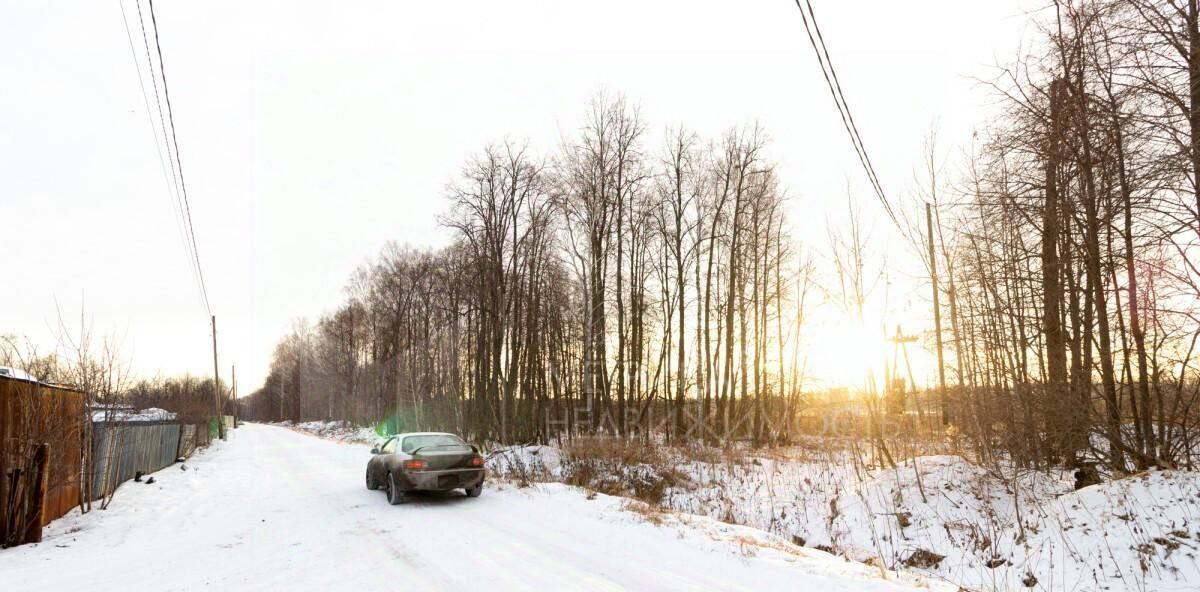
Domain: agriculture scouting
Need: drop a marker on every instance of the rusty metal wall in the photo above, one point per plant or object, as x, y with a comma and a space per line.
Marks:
32, 413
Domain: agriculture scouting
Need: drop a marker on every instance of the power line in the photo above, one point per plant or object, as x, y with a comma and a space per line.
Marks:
171, 180
842, 95
174, 183
178, 189
178, 157
817, 42
833, 83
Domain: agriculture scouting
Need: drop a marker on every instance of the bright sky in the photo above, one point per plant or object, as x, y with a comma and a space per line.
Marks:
312, 133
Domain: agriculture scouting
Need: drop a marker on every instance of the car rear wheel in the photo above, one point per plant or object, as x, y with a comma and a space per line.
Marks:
371, 484
394, 495
475, 491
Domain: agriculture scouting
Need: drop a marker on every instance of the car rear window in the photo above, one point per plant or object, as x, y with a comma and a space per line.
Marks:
441, 441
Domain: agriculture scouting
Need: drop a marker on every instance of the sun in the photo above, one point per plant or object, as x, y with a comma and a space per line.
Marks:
847, 354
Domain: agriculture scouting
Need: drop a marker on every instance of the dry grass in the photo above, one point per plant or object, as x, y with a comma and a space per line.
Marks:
761, 543
634, 468
654, 514
712, 455
629, 451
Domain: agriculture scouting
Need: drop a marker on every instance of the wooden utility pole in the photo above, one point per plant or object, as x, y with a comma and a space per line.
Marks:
937, 318
233, 393
217, 383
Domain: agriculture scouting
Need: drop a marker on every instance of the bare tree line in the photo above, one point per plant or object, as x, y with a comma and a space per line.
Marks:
630, 274
594, 284
1072, 284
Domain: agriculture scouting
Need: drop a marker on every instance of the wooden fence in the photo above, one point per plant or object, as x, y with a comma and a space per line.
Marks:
41, 450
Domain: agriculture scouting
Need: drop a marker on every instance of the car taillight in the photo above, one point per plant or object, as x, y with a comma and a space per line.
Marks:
415, 464
477, 461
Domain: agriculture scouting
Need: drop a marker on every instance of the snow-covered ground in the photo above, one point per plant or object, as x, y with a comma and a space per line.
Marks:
275, 509
957, 522
1026, 531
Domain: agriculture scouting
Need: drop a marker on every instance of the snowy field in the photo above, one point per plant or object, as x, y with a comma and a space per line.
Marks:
276, 509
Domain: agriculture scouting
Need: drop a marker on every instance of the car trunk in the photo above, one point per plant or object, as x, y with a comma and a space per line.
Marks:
441, 459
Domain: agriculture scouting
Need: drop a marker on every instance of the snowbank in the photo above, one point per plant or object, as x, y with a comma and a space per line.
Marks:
342, 431
716, 537
1142, 532
951, 520
991, 532
941, 516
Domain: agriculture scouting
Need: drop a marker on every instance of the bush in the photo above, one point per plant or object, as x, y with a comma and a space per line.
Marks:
635, 468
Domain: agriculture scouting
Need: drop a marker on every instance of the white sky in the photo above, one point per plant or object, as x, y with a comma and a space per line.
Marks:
312, 133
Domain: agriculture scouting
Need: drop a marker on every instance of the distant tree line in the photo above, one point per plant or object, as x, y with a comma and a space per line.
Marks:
97, 368
626, 274
590, 285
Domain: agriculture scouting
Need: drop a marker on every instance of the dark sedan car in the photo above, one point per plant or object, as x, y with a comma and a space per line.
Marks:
424, 461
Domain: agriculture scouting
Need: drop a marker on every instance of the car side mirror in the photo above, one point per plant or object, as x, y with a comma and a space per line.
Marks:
375, 450
475, 449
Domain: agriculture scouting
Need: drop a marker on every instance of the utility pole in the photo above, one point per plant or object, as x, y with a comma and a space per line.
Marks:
937, 317
894, 393
217, 383
233, 394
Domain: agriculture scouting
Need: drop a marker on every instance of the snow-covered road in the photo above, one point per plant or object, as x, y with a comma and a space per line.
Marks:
274, 509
